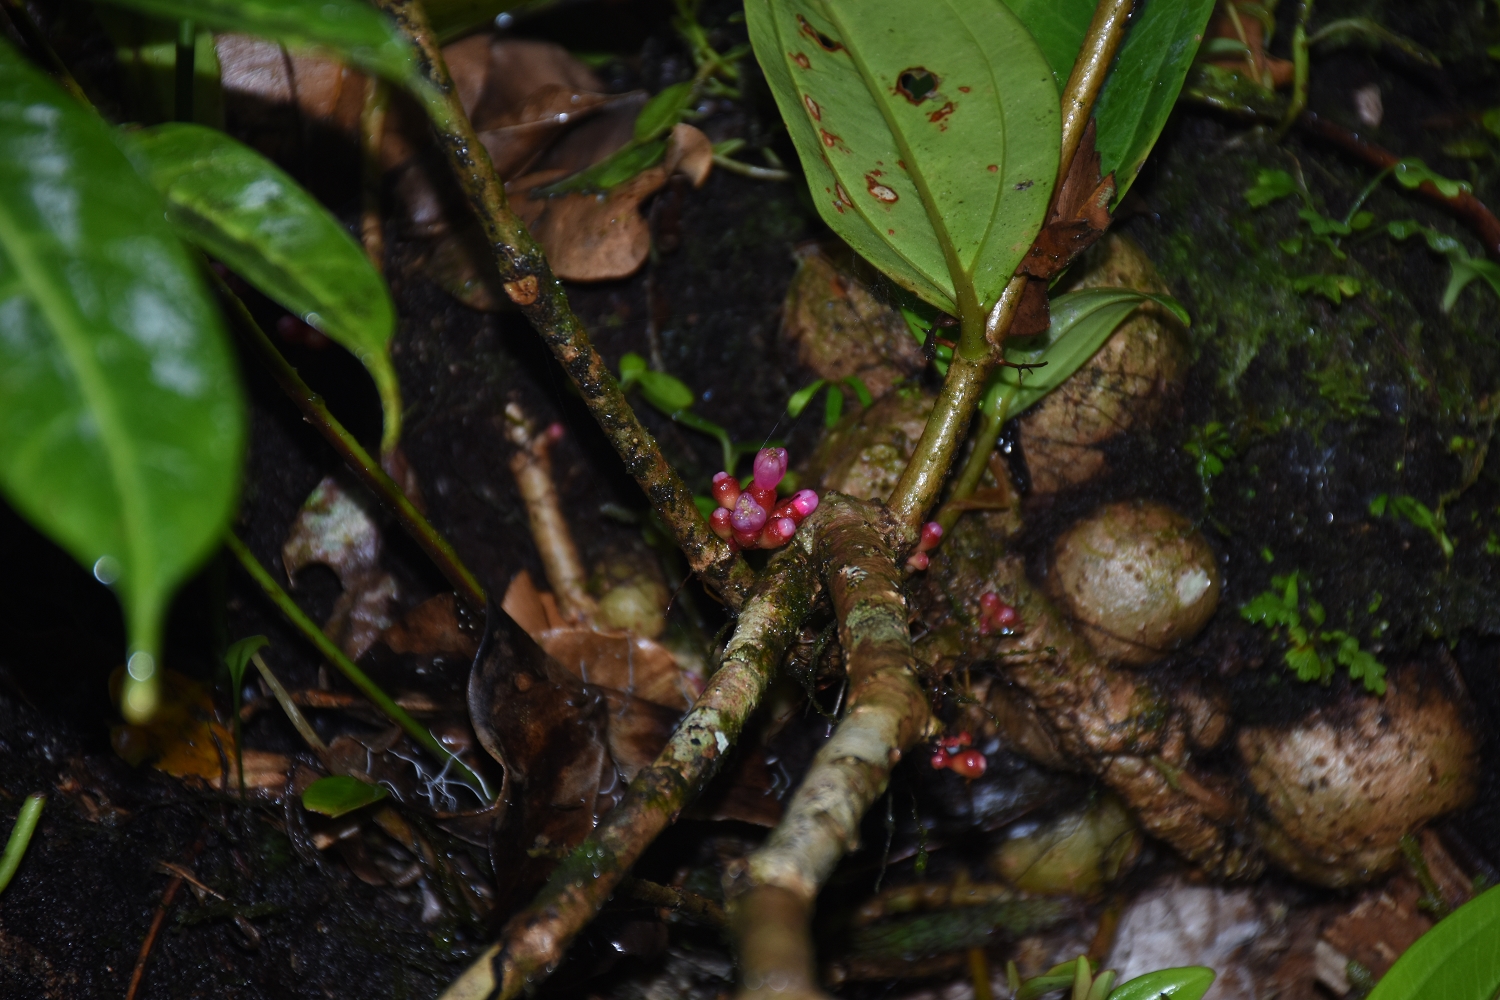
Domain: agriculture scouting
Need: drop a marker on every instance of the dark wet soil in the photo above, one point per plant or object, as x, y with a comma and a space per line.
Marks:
1326, 407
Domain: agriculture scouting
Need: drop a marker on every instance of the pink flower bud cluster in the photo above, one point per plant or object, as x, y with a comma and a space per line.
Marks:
751, 518
954, 753
997, 616
932, 534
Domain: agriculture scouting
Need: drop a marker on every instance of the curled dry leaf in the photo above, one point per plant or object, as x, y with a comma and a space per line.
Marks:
550, 732
841, 328
630, 664
598, 237
432, 628
185, 740
336, 529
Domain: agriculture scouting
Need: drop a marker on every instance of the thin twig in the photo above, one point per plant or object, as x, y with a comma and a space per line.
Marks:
359, 461
531, 464
771, 907
531, 285
167, 896
356, 676
535, 940
689, 904
299, 721
750, 170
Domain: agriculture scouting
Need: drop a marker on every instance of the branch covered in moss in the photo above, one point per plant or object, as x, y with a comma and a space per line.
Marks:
535, 939
533, 287
888, 712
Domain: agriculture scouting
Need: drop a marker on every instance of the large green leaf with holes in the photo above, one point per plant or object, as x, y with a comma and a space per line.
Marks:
121, 419
929, 134
350, 29
243, 209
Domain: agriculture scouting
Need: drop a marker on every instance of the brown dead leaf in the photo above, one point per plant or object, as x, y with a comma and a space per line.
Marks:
431, 629
549, 731
1381, 925
335, 528
1236, 20
695, 153
185, 740
1080, 215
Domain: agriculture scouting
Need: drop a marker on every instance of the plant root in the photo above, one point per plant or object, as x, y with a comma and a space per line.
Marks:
888, 711
532, 466
1119, 725
535, 939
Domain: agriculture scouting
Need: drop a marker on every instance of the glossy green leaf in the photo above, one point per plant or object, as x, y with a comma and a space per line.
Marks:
1058, 27
929, 136
353, 30
615, 169
833, 406
237, 658
240, 207
121, 419
663, 111
1413, 173
1187, 983
1081, 322
1459, 959
451, 19
1142, 89
802, 397
336, 795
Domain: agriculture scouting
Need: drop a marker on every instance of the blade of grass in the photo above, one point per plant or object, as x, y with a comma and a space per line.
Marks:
356, 676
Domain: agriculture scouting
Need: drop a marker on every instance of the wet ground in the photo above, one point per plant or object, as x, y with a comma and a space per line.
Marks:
1323, 407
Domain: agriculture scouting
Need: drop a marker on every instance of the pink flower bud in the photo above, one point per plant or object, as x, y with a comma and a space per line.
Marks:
720, 522
770, 467
1007, 617
989, 603
804, 502
555, 432
777, 533
917, 561
748, 516
766, 496
746, 540
725, 490
932, 533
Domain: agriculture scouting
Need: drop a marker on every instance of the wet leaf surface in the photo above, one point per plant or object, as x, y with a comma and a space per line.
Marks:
125, 422
930, 143
337, 795
239, 207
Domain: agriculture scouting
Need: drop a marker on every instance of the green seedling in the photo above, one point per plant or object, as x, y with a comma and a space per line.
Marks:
1333, 287
1463, 268
237, 658
1418, 515
833, 402
339, 794
1209, 445
670, 396
1313, 653
1274, 185
20, 837
1078, 976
